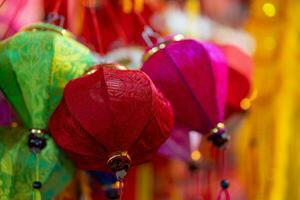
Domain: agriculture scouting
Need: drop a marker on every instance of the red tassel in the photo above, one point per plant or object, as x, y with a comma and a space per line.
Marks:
218, 156
207, 192
225, 193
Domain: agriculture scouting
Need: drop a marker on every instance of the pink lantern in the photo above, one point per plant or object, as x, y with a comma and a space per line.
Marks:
193, 76
17, 13
239, 79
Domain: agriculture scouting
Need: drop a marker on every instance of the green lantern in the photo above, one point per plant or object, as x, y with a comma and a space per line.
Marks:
35, 65
18, 167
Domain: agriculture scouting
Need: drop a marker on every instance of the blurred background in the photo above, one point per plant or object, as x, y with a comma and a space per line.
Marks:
262, 160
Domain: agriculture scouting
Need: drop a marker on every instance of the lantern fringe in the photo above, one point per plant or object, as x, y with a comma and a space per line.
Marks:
225, 193
37, 195
36, 192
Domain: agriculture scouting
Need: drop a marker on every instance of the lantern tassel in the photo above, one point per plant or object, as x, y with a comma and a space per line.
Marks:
224, 183
37, 195
121, 186
226, 194
36, 192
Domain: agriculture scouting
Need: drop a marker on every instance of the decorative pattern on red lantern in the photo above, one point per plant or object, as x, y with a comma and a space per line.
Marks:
111, 119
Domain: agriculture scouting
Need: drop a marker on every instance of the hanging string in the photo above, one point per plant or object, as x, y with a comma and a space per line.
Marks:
99, 46
116, 22
36, 185
218, 162
148, 32
207, 193
224, 183
219, 157
213, 156
141, 19
54, 15
198, 183
223, 164
57, 6
194, 181
37, 167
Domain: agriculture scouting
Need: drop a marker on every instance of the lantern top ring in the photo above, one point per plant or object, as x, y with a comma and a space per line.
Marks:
161, 46
48, 27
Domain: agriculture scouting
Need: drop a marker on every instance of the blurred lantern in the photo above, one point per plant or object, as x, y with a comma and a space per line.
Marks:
193, 76
14, 14
35, 65
230, 12
239, 80
181, 144
111, 119
19, 169
122, 26
65, 9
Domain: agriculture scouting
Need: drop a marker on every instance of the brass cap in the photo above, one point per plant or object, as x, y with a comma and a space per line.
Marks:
119, 163
161, 46
48, 27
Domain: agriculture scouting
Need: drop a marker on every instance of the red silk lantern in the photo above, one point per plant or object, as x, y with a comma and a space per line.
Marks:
101, 25
120, 28
239, 79
110, 119
193, 76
